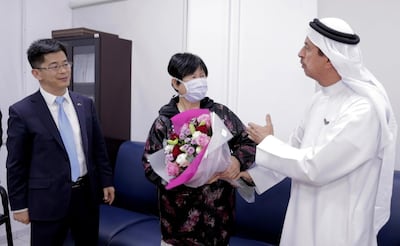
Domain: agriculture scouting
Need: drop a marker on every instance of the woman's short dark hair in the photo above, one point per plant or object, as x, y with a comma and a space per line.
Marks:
183, 64
38, 49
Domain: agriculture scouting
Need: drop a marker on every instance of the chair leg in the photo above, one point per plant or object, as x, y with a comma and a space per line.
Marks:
10, 241
4, 200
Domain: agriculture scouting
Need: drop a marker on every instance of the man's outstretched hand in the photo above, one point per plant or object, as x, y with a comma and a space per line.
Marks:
257, 133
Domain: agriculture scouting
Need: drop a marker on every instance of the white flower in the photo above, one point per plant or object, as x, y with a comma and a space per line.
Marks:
198, 149
181, 159
196, 134
168, 148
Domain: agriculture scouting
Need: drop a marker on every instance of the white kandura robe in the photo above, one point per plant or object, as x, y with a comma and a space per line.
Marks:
334, 166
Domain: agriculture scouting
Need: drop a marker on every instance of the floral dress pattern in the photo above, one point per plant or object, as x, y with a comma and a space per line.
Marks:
203, 215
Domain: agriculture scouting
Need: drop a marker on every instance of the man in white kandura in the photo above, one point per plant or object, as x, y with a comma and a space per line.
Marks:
341, 157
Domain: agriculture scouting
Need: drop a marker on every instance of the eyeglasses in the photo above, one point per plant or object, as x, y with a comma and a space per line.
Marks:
57, 67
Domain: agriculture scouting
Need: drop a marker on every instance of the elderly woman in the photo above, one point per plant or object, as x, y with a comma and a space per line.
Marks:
203, 215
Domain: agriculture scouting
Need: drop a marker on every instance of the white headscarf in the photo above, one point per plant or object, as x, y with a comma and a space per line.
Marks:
347, 60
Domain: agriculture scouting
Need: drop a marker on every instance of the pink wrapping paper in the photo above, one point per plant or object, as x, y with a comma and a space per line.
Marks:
178, 121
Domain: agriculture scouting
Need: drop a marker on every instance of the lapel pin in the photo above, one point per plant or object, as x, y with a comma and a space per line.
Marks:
326, 122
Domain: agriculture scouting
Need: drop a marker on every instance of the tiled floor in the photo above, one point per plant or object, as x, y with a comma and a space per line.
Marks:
23, 241
20, 238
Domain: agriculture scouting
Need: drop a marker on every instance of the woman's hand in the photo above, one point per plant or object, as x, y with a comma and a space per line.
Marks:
245, 176
231, 173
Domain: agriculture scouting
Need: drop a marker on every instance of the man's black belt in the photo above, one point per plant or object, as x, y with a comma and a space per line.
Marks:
80, 182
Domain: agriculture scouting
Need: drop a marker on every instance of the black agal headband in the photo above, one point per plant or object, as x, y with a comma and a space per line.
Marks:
333, 34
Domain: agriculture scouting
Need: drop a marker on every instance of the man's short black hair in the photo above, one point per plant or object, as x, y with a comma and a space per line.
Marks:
41, 47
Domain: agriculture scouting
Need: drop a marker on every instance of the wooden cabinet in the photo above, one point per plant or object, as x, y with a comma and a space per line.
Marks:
101, 70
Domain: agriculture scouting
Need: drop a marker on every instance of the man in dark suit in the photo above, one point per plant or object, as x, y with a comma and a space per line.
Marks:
41, 187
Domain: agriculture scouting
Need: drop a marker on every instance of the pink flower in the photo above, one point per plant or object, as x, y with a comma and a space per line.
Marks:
201, 139
172, 169
183, 146
204, 118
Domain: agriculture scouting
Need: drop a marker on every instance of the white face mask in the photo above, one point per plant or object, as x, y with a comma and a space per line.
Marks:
196, 89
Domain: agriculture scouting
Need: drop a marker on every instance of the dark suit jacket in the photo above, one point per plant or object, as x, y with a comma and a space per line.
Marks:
38, 169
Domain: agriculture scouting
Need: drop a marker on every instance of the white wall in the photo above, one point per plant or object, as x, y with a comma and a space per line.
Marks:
376, 22
21, 22
252, 57
10, 65
157, 31
11, 74
235, 40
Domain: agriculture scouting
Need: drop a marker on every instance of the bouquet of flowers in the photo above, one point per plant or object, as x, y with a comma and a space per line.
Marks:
195, 150
190, 142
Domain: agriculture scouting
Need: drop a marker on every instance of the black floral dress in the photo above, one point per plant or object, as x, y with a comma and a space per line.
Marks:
203, 215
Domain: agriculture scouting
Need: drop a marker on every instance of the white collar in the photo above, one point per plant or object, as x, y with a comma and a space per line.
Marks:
50, 98
333, 89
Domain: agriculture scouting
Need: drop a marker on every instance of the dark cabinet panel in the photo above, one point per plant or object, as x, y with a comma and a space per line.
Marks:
101, 70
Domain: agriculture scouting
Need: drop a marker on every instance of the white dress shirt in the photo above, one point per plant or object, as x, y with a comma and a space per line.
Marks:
73, 119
